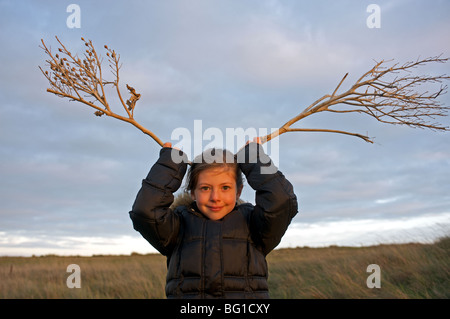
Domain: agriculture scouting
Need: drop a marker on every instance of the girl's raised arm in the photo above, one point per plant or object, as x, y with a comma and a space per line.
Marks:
276, 203
151, 213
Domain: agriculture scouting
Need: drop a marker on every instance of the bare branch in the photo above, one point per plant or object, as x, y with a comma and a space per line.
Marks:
82, 80
365, 138
389, 94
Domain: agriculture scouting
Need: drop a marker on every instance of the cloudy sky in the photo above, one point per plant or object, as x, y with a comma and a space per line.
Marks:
68, 178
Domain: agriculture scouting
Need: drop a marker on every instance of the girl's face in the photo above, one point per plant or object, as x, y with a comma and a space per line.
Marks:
216, 192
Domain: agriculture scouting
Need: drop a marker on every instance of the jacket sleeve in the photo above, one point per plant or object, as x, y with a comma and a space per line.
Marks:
275, 201
150, 213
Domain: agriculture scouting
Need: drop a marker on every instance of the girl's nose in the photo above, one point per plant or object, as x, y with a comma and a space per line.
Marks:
214, 196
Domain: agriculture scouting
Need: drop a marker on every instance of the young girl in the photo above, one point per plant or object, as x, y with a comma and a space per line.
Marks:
215, 248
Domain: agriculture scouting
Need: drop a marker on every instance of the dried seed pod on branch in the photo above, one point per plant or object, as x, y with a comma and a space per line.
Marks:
81, 79
389, 94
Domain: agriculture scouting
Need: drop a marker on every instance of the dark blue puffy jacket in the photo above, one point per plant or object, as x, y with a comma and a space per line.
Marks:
215, 259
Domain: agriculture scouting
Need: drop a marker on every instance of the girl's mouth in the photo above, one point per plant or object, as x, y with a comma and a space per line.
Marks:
214, 208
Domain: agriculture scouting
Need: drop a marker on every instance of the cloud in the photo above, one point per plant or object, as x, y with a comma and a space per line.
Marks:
365, 232
20, 244
276, 57
67, 174
387, 200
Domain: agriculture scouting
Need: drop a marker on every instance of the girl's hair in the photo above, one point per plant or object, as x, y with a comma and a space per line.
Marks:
213, 158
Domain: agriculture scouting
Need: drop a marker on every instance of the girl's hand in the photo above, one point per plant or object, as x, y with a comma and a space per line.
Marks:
169, 145
255, 140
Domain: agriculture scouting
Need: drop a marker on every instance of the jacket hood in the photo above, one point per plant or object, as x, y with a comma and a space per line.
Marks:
182, 199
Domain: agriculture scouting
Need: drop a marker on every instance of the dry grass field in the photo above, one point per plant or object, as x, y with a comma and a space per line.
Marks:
413, 271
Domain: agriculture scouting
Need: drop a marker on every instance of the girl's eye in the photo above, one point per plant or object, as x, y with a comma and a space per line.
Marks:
204, 188
225, 188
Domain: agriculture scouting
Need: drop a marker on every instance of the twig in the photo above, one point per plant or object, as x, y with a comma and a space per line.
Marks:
81, 79
389, 94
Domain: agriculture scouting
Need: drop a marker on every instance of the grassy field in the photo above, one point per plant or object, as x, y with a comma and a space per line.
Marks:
407, 271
